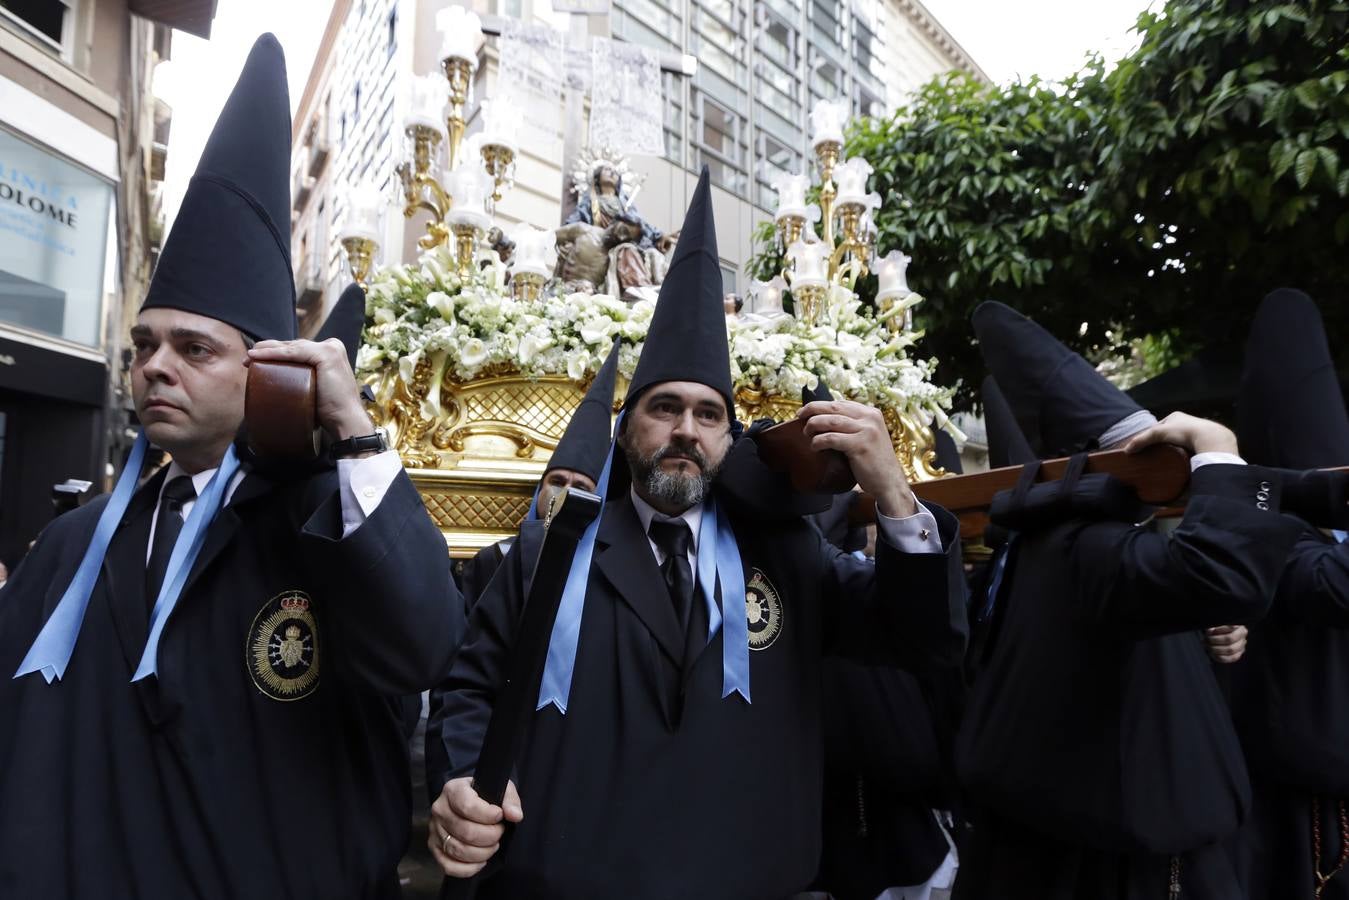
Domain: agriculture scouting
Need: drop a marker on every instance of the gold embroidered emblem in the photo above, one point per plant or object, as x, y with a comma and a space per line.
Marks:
282, 650
763, 611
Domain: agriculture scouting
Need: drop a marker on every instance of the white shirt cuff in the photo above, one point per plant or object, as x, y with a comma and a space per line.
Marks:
363, 484
1215, 457
912, 534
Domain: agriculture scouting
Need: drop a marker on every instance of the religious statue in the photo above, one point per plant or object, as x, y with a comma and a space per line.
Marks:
605, 242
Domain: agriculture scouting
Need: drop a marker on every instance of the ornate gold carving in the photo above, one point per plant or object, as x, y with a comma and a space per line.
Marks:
476, 463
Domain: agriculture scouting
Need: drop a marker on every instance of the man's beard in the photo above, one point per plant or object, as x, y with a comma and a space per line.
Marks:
676, 490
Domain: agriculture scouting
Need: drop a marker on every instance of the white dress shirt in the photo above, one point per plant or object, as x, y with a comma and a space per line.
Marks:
912, 534
362, 482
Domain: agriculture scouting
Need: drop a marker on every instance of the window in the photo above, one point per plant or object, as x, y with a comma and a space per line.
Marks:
775, 158
826, 78
53, 243
868, 103
729, 279
778, 43
720, 131
827, 17
48, 20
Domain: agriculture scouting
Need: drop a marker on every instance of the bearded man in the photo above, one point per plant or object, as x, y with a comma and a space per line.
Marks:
676, 750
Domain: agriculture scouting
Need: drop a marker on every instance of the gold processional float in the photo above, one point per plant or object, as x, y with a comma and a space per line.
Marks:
478, 363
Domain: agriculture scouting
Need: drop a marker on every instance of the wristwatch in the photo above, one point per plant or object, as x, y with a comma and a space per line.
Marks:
354, 446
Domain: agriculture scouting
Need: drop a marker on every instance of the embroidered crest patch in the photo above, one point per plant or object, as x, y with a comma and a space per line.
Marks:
283, 647
763, 611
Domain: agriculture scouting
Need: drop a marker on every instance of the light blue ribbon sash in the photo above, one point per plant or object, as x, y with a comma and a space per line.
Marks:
718, 560
54, 644
555, 686
52, 648
185, 551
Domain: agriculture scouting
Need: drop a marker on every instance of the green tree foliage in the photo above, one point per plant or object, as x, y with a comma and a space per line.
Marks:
1158, 200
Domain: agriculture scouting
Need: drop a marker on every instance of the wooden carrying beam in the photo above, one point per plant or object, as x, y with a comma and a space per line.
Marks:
1160, 474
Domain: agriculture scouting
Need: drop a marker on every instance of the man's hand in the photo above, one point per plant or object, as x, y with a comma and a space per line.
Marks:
1190, 432
1226, 643
340, 411
859, 433
466, 830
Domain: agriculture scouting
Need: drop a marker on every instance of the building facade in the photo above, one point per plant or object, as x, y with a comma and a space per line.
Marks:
81, 153
762, 65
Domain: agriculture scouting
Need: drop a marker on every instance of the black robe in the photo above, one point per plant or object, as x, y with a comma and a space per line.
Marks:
1290, 699
886, 768
472, 575
1096, 745
198, 783
649, 788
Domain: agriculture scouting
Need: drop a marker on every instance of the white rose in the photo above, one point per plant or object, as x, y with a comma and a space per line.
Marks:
368, 357
385, 316
407, 365
596, 331
531, 345
577, 363
472, 353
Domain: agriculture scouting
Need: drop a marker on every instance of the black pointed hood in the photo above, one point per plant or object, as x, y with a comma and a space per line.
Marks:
948, 454
1062, 404
819, 392
585, 443
686, 340
346, 322
1007, 446
1290, 412
228, 255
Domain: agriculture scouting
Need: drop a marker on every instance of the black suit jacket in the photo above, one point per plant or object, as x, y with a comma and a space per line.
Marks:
653, 785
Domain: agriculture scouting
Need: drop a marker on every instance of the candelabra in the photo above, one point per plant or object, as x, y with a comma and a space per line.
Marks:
843, 251
360, 237
457, 205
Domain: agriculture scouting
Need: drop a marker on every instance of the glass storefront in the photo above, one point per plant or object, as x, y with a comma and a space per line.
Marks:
54, 219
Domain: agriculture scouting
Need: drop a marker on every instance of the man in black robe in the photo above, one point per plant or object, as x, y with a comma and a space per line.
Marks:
1290, 696
676, 749
575, 463
886, 752
249, 744
1096, 750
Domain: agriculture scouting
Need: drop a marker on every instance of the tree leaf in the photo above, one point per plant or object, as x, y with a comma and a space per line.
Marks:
1305, 167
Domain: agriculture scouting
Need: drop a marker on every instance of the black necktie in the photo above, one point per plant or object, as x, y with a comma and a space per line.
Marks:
673, 538
168, 524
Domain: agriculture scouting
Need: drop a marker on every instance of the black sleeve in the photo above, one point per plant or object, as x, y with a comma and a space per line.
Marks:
466, 696
477, 574
1219, 567
906, 609
396, 615
1318, 495
1314, 588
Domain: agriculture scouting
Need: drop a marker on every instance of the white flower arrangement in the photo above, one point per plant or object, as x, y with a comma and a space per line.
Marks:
466, 327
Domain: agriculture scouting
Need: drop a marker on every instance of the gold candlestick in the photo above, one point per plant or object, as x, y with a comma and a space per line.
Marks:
808, 300
526, 287
459, 72
827, 154
465, 242
421, 191
360, 255
498, 159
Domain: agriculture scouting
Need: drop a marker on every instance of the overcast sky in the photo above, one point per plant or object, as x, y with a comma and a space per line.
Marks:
1008, 40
